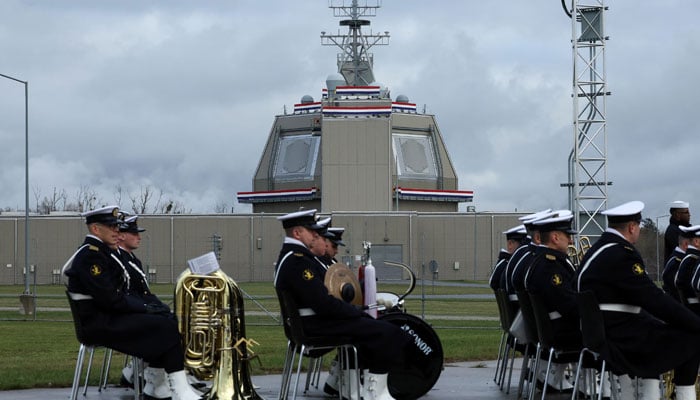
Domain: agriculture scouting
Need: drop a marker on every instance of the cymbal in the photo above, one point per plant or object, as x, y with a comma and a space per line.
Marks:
343, 284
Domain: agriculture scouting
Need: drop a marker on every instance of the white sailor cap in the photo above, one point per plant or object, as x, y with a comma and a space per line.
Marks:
679, 204
130, 225
323, 225
531, 217
335, 235
559, 220
305, 218
516, 233
630, 211
106, 215
690, 231
528, 220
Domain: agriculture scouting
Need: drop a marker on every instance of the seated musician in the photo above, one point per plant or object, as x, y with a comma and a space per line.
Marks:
129, 240
380, 344
551, 276
515, 237
647, 332
668, 277
111, 315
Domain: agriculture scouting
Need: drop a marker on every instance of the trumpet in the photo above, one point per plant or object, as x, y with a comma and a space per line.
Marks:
209, 309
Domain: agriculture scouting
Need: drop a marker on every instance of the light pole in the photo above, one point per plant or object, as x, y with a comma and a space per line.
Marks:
658, 266
26, 179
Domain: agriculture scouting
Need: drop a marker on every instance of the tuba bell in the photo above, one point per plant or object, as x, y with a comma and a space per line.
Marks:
209, 310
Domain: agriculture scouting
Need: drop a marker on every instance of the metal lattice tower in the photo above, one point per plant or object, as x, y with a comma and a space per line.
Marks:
588, 172
355, 61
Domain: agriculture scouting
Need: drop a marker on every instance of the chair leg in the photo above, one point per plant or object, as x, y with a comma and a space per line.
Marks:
137, 377
512, 360
89, 367
546, 375
527, 360
533, 373
296, 379
104, 370
499, 360
287, 370
78, 371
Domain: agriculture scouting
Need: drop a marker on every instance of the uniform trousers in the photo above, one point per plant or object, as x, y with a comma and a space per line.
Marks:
152, 337
380, 344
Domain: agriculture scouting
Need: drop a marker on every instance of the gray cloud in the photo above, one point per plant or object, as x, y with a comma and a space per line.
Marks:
181, 95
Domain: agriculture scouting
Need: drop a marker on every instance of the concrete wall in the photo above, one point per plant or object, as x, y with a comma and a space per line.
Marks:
464, 245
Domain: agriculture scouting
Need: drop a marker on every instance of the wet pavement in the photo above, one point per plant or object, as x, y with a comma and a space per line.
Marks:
463, 381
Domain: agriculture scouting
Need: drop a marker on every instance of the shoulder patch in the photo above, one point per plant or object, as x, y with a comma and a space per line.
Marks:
556, 280
95, 270
298, 254
550, 257
308, 275
628, 248
638, 269
93, 248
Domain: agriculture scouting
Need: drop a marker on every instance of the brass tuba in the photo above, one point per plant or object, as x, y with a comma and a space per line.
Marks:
576, 254
209, 309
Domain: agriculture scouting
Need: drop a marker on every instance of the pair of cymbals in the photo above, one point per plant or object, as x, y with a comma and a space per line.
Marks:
343, 284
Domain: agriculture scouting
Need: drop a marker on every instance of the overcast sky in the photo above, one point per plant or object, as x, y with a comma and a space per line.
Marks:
181, 95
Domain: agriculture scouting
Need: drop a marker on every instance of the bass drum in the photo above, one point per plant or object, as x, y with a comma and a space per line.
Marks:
423, 363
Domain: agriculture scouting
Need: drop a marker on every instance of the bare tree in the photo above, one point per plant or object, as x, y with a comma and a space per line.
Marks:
37, 195
49, 204
85, 199
140, 202
118, 194
221, 207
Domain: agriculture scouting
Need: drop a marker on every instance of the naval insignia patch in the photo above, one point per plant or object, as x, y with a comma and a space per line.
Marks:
308, 275
550, 257
95, 270
637, 269
556, 280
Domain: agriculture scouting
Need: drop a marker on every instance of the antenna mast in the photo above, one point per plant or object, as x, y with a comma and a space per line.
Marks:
355, 62
588, 173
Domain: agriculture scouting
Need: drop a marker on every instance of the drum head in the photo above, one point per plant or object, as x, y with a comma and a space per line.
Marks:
423, 362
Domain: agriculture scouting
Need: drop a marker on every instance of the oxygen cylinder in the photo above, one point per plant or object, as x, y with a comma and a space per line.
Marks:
370, 280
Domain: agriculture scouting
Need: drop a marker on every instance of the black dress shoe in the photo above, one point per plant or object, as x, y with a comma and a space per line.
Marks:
147, 397
125, 382
327, 389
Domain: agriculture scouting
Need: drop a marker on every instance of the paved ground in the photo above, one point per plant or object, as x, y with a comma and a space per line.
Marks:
459, 381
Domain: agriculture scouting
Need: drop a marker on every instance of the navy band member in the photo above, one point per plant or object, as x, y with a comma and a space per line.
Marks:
686, 269
380, 344
113, 317
522, 257
668, 276
156, 386
647, 332
680, 216
551, 275
514, 239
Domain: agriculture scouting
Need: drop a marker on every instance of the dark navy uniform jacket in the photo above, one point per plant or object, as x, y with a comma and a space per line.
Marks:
654, 338
552, 277
684, 276
668, 277
380, 343
671, 237
519, 253
499, 269
111, 316
138, 282
517, 278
